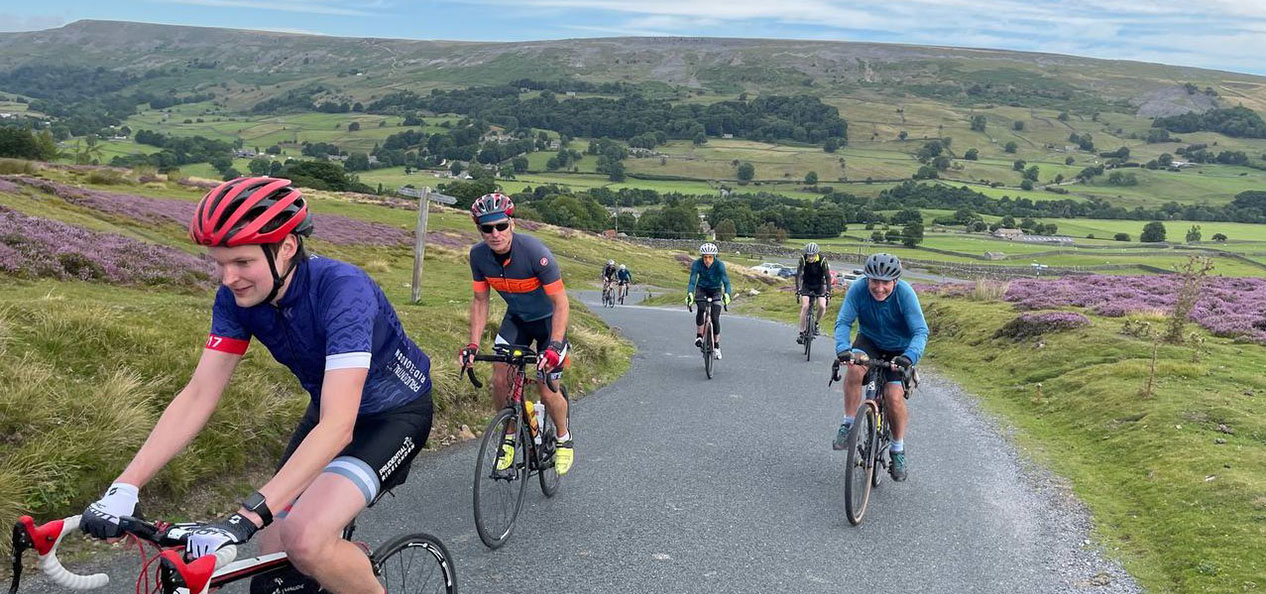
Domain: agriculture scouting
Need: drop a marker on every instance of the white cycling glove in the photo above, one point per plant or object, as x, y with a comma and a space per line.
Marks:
101, 519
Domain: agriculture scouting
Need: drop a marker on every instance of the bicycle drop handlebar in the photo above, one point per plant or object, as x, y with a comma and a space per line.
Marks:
45, 539
709, 301
517, 357
864, 361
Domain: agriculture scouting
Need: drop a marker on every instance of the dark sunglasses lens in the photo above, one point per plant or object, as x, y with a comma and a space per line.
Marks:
498, 227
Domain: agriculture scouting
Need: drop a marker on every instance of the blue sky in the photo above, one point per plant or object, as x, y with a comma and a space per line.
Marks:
1222, 34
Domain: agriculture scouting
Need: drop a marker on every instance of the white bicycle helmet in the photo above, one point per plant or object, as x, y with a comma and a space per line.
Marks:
811, 248
708, 249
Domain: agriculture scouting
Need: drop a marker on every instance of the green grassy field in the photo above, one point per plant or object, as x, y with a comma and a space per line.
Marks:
82, 347
1179, 501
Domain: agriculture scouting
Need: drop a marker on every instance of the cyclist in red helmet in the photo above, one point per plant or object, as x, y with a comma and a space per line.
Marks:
369, 384
526, 275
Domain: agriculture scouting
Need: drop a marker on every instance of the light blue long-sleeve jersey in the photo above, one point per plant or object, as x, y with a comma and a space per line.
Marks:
894, 324
708, 277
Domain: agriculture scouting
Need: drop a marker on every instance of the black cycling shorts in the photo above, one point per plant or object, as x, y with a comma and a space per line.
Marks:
890, 376
813, 291
534, 335
383, 445
700, 305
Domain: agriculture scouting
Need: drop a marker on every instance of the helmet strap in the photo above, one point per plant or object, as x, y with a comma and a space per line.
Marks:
279, 279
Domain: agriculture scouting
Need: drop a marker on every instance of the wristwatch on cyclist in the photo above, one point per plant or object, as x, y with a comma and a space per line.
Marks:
255, 503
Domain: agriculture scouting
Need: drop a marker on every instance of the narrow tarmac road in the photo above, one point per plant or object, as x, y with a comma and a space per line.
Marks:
684, 484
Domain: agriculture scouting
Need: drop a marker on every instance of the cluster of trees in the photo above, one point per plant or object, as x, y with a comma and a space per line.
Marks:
797, 217
611, 155
770, 118
180, 150
83, 100
1203, 155
1247, 207
1237, 122
299, 99
1084, 141
20, 143
171, 99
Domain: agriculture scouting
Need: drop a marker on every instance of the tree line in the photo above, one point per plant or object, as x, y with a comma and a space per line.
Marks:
770, 118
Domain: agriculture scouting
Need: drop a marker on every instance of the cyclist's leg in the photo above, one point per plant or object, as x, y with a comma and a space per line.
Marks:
700, 294
857, 373
821, 301
555, 404
716, 317
804, 309
894, 407
383, 445
269, 539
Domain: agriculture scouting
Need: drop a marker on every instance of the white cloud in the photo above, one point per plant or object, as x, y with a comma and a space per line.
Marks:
1214, 33
332, 7
33, 22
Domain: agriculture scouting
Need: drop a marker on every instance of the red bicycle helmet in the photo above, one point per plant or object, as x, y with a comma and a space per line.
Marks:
250, 210
491, 207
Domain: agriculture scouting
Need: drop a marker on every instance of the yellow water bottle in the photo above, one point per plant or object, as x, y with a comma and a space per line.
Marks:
527, 405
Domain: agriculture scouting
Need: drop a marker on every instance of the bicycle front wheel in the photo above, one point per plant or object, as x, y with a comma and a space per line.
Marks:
550, 480
860, 464
415, 563
499, 493
707, 346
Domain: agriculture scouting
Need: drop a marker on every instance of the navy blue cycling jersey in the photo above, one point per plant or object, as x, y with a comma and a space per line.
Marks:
525, 278
332, 316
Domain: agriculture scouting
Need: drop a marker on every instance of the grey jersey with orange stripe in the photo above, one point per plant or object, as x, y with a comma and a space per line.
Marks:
525, 280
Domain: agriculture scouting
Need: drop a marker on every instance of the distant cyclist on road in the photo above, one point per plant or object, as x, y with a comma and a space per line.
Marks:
890, 325
525, 274
608, 275
813, 286
624, 278
707, 278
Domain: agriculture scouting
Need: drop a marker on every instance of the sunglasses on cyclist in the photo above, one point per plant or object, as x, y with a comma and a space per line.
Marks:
502, 226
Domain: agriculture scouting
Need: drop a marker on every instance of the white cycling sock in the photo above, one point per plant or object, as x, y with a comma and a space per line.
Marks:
848, 421
898, 446
565, 437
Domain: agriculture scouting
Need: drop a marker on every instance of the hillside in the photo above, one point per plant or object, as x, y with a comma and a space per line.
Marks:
712, 65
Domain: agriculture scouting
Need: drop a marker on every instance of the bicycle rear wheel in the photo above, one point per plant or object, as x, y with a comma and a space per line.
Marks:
415, 563
860, 464
808, 345
499, 496
549, 478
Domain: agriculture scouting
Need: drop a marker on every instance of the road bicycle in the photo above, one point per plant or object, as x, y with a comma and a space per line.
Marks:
870, 437
406, 564
608, 295
810, 325
498, 494
623, 290
708, 349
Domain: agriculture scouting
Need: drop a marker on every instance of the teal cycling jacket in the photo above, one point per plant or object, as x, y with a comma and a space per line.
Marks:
708, 277
894, 324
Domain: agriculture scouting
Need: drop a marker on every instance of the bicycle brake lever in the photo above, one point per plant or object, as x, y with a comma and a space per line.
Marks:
21, 542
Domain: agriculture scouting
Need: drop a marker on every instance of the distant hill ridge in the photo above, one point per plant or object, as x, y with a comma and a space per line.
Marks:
714, 64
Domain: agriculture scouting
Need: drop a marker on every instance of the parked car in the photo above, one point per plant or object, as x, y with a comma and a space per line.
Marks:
844, 279
786, 272
770, 268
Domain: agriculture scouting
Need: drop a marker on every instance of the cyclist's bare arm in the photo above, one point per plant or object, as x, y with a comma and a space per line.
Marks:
478, 315
183, 418
562, 307
340, 400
